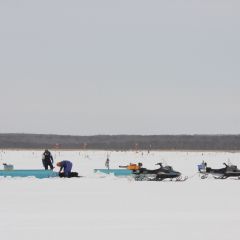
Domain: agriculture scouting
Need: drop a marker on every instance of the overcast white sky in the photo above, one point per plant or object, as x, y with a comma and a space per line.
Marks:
120, 67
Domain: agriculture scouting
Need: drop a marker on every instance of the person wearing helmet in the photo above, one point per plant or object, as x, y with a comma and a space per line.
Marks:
47, 160
66, 166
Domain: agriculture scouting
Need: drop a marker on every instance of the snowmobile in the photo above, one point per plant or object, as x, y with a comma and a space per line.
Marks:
221, 173
159, 174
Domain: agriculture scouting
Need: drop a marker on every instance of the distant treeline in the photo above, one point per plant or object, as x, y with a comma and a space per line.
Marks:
121, 142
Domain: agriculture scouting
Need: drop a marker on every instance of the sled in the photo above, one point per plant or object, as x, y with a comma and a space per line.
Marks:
115, 172
38, 173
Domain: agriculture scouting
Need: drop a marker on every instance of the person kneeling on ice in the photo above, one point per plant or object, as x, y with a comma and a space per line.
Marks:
66, 166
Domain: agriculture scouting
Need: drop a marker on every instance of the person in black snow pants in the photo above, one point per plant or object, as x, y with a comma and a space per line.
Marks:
47, 160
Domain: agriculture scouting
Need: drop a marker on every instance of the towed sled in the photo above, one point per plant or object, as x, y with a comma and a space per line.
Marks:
221, 173
115, 172
159, 174
9, 171
38, 173
143, 174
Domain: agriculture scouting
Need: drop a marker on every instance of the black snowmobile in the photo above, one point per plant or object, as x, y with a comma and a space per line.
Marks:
221, 173
159, 174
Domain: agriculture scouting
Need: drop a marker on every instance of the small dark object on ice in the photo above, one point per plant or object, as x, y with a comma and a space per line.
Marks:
72, 174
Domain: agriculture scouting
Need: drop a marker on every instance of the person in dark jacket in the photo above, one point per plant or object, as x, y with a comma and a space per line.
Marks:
47, 160
66, 166
107, 163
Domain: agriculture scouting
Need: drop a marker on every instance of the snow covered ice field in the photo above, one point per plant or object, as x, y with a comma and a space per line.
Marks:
98, 207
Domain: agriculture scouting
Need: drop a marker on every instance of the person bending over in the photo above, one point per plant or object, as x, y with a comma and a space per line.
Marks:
66, 166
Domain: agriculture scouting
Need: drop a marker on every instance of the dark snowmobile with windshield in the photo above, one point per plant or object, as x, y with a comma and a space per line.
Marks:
221, 173
159, 174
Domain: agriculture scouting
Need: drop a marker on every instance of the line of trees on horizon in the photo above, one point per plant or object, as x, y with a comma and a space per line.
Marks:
121, 142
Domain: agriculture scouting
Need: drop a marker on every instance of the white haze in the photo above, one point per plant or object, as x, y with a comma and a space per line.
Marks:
108, 67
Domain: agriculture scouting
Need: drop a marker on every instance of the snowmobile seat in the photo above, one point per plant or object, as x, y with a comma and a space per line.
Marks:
208, 169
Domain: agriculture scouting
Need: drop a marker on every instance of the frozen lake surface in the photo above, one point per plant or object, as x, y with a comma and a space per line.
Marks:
98, 207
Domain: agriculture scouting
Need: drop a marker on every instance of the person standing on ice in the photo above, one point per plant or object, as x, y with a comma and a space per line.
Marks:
107, 163
47, 160
66, 166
